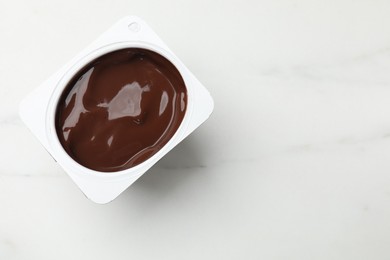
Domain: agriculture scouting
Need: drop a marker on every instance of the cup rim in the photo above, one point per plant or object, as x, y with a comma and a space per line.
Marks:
65, 159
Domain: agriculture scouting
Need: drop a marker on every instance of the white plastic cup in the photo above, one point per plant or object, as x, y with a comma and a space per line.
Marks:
38, 109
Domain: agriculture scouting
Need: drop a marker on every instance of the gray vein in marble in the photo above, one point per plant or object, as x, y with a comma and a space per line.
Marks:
341, 72
27, 175
7, 248
180, 167
10, 120
345, 141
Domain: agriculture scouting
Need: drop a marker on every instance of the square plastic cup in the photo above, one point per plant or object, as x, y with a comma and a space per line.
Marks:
38, 109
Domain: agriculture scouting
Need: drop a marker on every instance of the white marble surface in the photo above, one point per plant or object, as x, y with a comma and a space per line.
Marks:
293, 164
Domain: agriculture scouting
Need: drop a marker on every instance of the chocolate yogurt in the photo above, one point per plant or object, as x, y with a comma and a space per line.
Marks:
120, 109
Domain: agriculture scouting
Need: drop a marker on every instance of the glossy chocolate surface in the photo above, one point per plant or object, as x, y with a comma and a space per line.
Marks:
120, 109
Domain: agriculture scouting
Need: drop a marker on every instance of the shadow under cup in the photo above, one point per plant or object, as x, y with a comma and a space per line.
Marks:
120, 109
